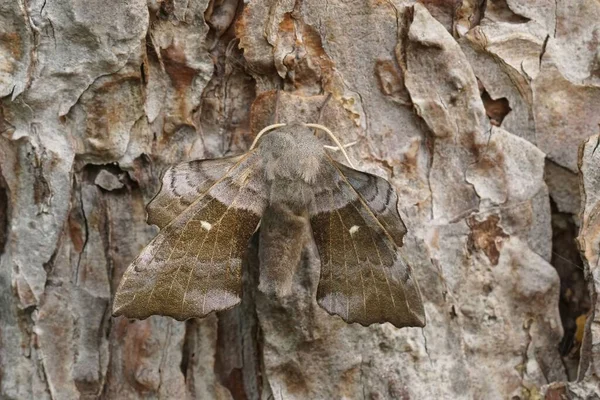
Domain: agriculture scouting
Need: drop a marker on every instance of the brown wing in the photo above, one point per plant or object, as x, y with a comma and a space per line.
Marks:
356, 227
193, 266
182, 184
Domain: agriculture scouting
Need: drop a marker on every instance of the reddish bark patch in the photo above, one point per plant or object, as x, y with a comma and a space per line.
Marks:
556, 391
314, 47
138, 345
41, 188
287, 23
107, 110
241, 24
176, 67
347, 382
262, 111
295, 383
235, 383
486, 236
12, 42
24, 291
181, 75
76, 233
390, 80
489, 158
388, 77
495, 109
309, 66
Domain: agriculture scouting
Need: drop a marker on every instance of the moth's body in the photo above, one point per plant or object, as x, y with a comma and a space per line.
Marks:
292, 161
208, 209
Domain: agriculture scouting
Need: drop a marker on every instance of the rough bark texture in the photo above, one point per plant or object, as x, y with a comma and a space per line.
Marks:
473, 109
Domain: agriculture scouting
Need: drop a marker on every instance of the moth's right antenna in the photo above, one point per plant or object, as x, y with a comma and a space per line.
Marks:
263, 131
335, 148
335, 139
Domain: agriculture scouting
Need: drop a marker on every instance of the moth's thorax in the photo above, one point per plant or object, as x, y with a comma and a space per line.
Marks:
292, 154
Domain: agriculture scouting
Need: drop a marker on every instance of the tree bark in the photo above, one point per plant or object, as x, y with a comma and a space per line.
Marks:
474, 110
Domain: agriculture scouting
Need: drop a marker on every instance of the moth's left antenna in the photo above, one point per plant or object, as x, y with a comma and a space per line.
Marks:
263, 131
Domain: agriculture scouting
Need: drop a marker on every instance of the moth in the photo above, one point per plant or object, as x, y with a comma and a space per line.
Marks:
207, 210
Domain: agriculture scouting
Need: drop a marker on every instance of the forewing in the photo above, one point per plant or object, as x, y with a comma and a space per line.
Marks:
193, 266
363, 276
380, 197
182, 184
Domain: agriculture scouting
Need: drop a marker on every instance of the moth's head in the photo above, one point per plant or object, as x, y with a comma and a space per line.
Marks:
292, 152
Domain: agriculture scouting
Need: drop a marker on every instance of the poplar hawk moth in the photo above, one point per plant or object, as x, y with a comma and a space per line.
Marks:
207, 210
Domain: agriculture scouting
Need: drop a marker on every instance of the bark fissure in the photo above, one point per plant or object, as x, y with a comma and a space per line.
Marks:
85, 235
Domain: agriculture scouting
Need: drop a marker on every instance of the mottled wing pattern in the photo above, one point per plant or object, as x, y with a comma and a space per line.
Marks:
193, 266
182, 184
356, 227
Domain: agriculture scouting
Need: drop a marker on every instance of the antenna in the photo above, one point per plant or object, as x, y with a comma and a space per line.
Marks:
263, 131
316, 126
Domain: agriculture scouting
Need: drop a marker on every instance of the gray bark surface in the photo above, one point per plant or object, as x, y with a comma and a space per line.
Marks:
473, 110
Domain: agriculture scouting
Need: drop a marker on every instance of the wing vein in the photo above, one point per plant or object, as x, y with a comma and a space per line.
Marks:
380, 260
345, 261
329, 262
212, 255
198, 254
355, 254
182, 231
187, 251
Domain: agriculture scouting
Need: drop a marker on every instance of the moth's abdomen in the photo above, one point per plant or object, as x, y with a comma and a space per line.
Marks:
283, 236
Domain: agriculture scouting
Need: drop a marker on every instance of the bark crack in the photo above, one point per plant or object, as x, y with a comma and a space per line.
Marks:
430, 160
163, 357
32, 53
555, 17
96, 79
365, 112
425, 346
596, 146
85, 239
45, 373
362, 374
397, 17
543, 49
525, 357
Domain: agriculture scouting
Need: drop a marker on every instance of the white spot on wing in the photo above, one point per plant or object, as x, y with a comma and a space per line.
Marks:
206, 225
354, 229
